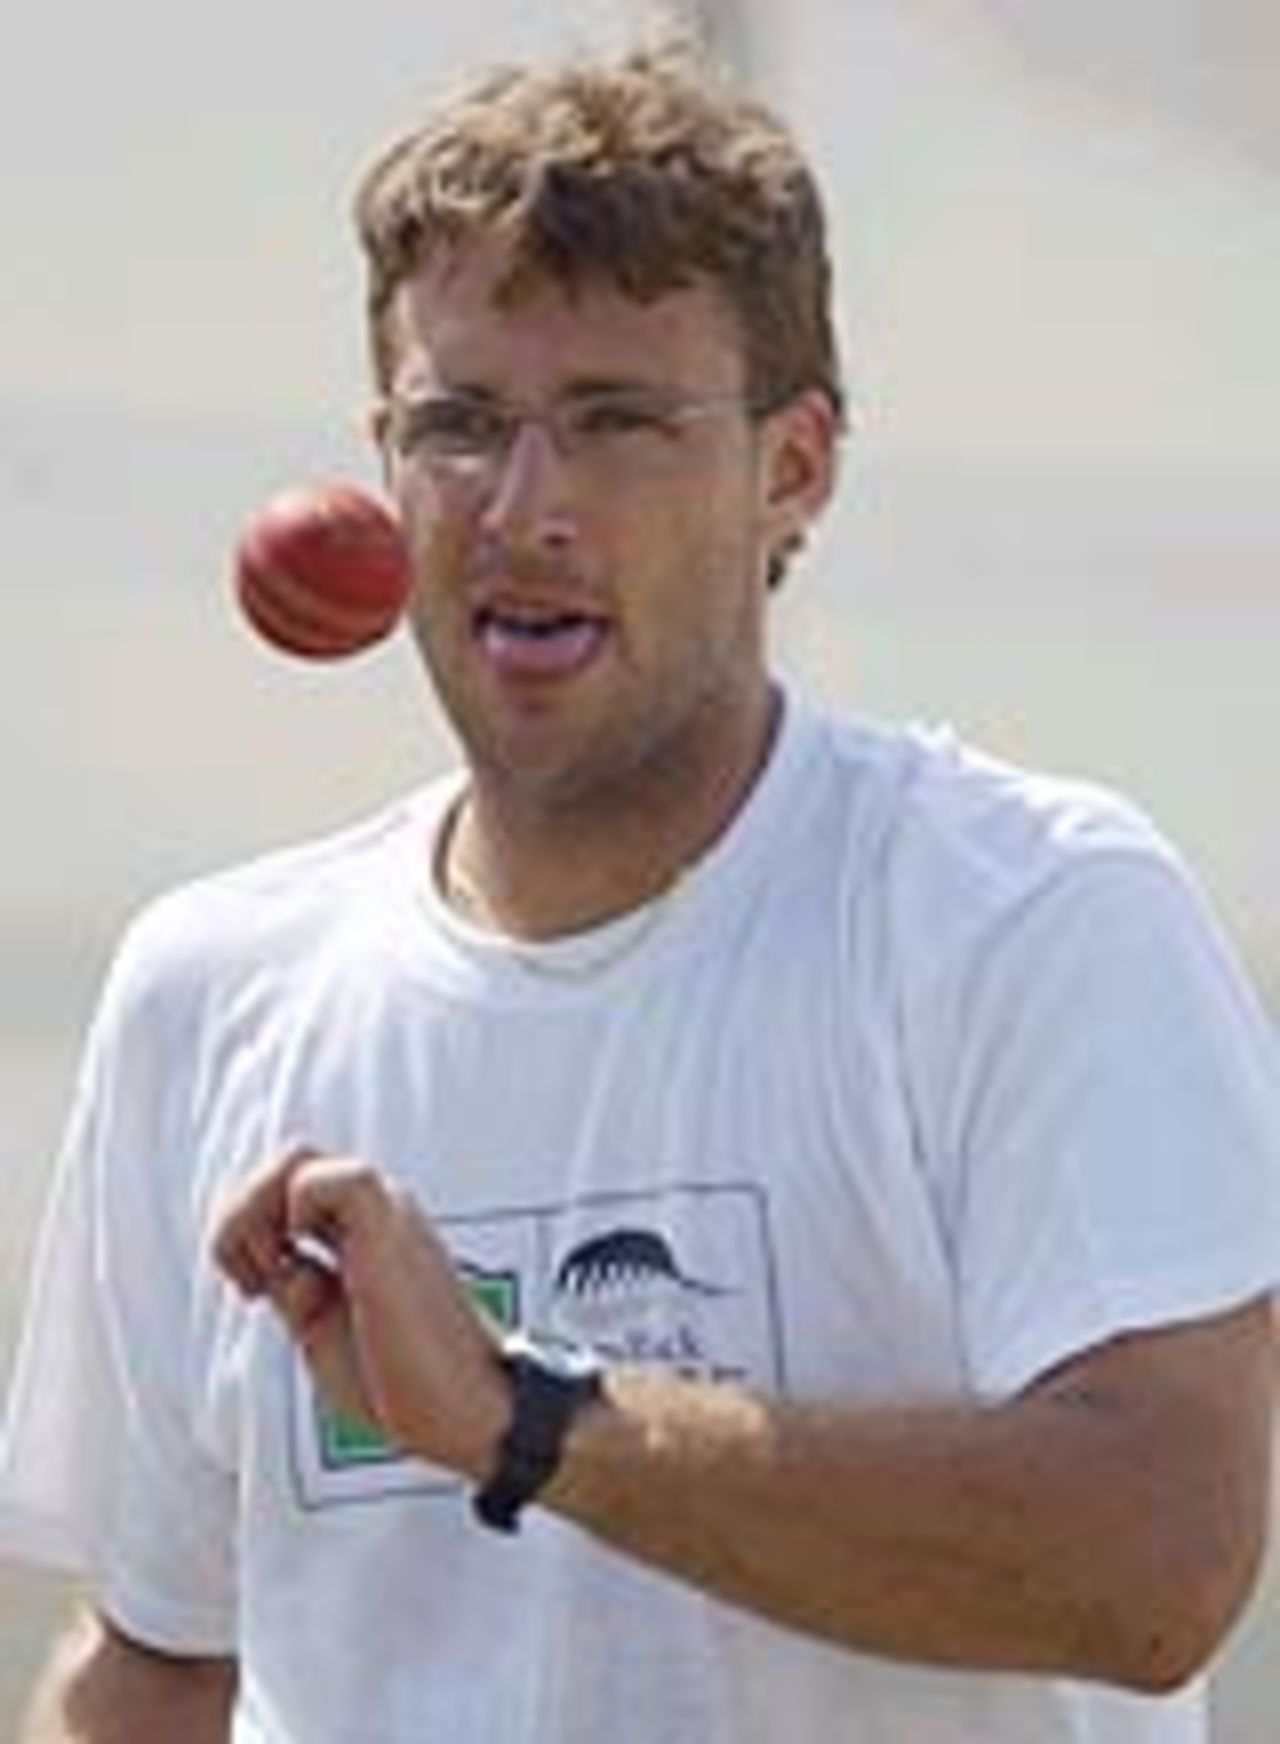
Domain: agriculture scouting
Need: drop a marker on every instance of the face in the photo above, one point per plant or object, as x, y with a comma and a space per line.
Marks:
590, 592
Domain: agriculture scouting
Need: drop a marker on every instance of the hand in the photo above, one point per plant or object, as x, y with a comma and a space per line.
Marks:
385, 1325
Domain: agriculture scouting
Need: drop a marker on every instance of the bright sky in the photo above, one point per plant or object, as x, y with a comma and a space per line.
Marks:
1028, 264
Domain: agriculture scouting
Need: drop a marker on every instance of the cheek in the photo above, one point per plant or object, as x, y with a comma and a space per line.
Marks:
435, 533
711, 540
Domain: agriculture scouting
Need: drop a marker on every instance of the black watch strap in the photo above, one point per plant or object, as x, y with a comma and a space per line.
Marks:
550, 1384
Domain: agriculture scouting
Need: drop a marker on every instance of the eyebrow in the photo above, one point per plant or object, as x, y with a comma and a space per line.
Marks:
575, 388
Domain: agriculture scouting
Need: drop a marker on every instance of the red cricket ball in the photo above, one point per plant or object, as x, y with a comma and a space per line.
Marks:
322, 571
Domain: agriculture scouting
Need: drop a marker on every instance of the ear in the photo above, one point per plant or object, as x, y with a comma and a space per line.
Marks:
798, 469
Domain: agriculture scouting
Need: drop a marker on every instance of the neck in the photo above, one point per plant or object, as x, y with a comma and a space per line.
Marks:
537, 869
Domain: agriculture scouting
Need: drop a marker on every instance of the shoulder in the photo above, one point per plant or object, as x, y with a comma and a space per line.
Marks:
957, 823
1000, 837
956, 805
257, 918
945, 853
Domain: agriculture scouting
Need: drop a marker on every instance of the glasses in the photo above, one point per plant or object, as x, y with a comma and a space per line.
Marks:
618, 432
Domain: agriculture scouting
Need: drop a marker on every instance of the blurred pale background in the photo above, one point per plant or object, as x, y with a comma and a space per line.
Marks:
1058, 230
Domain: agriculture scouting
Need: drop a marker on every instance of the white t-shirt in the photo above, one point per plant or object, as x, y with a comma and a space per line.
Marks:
930, 1074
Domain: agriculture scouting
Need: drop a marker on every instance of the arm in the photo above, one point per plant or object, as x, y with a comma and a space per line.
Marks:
1108, 1523
102, 1688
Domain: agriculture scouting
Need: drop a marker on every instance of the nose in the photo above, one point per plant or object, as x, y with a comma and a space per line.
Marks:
528, 503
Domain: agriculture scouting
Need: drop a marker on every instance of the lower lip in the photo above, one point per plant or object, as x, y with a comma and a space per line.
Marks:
562, 654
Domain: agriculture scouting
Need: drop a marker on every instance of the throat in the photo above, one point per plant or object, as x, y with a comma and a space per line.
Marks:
559, 891
526, 865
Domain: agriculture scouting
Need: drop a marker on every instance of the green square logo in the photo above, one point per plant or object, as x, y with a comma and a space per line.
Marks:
495, 1294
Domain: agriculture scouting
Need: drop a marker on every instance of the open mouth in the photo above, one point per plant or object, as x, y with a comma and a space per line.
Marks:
538, 642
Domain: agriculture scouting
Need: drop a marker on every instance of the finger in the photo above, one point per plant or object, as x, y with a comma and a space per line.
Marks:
248, 1230
333, 1201
250, 1237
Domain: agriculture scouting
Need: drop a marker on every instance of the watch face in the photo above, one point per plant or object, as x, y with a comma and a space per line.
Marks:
554, 1356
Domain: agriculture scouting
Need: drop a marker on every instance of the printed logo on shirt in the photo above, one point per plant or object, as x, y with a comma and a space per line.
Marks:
624, 1292
681, 1278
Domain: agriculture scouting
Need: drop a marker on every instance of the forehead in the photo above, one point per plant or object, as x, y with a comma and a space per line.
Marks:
458, 321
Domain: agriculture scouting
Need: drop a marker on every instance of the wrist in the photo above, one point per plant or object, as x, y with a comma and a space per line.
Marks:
549, 1384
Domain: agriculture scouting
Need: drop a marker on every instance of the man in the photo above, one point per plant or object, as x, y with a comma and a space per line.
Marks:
766, 1224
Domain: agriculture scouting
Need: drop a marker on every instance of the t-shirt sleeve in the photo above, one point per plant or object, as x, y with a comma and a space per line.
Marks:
101, 1471
1112, 1122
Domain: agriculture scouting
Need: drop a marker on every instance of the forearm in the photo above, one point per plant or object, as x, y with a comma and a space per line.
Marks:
100, 1688
1107, 1523
1017, 1539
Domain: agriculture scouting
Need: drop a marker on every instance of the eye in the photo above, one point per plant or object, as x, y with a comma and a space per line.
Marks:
620, 415
452, 425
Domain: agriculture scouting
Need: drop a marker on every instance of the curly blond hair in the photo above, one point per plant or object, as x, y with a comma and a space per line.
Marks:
649, 173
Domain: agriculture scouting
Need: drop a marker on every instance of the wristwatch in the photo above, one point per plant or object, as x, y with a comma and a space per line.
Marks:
551, 1382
